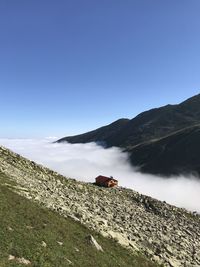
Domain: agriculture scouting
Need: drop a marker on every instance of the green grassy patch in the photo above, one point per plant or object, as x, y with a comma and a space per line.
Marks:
25, 228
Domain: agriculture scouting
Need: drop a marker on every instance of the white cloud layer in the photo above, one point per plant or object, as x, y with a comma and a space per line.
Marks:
86, 161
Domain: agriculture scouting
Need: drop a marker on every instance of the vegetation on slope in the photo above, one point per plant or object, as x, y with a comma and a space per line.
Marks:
177, 153
46, 239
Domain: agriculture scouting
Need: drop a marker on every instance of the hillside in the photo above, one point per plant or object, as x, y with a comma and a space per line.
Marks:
35, 236
146, 127
164, 233
32, 235
101, 135
177, 153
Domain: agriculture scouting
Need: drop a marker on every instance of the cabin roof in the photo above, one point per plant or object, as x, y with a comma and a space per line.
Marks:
104, 179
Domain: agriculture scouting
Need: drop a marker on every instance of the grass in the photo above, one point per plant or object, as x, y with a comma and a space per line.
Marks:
24, 226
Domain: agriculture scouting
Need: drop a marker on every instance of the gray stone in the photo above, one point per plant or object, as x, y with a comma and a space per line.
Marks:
94, 243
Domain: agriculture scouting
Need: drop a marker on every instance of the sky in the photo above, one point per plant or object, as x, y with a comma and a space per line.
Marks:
67, 67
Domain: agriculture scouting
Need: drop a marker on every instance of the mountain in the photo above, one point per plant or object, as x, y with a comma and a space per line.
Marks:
146, 130
50, 220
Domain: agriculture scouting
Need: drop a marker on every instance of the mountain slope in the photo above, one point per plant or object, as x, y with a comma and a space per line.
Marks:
148, 126
162, 232
32, 235
101, 135
40, 237
177, 153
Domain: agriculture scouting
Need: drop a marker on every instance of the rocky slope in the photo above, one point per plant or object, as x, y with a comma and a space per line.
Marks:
32, 235
166, 234
146, 128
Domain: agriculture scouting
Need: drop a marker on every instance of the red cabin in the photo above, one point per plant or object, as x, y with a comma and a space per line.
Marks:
106, 181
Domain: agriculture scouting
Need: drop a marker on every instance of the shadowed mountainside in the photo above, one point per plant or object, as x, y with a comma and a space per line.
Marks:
100, 135
177, 153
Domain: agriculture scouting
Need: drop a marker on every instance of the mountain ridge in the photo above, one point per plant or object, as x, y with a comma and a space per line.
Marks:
149, 125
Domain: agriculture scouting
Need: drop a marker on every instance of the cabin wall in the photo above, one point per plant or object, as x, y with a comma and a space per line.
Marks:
110, 183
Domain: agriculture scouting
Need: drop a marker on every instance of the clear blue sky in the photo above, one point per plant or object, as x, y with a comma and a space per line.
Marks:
68, 66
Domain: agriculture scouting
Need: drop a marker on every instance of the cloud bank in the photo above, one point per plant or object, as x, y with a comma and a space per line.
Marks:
86, 161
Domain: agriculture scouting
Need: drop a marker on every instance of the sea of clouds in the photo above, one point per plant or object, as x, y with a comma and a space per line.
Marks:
86, 161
